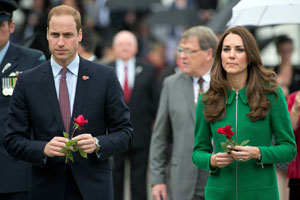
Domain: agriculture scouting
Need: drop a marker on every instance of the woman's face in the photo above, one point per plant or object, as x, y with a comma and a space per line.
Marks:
233, 55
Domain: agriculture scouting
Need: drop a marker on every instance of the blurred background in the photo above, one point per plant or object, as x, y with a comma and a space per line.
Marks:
157, 24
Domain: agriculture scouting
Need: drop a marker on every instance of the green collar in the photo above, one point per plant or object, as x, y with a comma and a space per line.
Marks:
242, 95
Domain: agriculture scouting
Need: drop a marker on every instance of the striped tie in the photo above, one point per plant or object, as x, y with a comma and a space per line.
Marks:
200, 82
64, 102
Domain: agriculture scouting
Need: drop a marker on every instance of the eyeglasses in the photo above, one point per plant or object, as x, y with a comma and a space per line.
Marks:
187, 51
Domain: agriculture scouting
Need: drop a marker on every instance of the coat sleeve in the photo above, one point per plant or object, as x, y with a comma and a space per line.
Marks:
284, 149
18, 131
160, 141
203, 148
120, 130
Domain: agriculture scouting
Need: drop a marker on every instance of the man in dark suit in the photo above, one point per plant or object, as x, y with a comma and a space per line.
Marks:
138, 80
42, 104
14, 59
88, 44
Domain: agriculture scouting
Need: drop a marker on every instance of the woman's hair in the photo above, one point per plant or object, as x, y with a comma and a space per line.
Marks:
65, 10
259, 81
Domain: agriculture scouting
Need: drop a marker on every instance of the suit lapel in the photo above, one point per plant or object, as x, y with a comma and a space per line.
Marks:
81, 89
9, 59
49, 88
138, 70
187, 88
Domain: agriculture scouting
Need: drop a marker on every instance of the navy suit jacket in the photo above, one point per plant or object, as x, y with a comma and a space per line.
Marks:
35, 108
14, 174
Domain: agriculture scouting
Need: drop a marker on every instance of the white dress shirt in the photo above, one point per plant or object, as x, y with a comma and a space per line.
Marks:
71, 79
120, 64
196, 87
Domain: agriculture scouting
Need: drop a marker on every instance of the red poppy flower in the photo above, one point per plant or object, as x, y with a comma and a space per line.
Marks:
226, 131
80, 120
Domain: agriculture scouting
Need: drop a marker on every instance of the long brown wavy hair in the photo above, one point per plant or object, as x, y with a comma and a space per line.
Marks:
260, 81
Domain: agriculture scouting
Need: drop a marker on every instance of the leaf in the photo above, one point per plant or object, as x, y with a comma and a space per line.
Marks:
66, 135
224, 146
243, 143
70, 156
75, 126
82, 153
75, 148
63, 150
71, 143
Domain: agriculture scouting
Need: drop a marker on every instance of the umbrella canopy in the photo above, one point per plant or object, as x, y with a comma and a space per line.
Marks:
265, 12
219, 20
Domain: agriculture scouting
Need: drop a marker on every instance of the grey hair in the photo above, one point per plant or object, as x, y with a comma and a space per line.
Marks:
206, 37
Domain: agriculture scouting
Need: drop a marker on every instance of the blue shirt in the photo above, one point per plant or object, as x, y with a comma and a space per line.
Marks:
71, 79
3, 52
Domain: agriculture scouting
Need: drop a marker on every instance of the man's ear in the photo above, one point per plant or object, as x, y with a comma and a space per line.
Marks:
210, 54
79, 35
47, 33
11, 27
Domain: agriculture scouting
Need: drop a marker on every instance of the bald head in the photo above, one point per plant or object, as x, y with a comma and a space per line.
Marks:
125, 45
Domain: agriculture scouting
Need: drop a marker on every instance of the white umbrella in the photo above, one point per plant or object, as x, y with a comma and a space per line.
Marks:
265, 12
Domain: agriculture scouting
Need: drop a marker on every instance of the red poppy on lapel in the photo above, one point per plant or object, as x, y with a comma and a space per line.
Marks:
85, 78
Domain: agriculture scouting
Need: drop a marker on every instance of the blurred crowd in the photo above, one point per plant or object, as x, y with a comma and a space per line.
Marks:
157, 24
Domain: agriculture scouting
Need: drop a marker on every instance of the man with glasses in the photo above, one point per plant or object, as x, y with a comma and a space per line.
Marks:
171, 166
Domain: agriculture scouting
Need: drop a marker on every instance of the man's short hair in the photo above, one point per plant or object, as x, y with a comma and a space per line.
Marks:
89, 40
65, 10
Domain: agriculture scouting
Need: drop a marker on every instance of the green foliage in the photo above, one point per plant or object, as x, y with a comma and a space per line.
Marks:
71, 146
244, 142
66, 135
82, 153
231, 142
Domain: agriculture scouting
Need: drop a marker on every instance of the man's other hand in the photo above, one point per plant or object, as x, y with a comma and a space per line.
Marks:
159, 192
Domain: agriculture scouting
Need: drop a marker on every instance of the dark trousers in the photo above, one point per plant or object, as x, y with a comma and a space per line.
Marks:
294, 185
138, 172
15, 196
71, 191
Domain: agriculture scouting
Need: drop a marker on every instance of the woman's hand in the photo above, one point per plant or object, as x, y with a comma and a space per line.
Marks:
220, 160
244, 153
295, 112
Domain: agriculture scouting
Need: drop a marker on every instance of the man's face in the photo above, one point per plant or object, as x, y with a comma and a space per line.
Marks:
125, 45
63, 38
285, 51
192, 57
6, 29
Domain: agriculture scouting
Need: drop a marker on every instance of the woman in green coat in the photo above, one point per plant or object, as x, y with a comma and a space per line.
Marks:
244, 95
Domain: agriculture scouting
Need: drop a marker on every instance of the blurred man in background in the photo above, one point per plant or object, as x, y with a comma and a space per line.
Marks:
14, 181
138, 80
173, 136
88, 44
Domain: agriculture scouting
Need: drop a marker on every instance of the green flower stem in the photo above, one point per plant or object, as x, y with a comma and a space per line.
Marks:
71, 146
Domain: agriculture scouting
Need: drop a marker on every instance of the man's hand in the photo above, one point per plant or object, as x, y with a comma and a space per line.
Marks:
159, 192
53, 146
220, 160
86, 142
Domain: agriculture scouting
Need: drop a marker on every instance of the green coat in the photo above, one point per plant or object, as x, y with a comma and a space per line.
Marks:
251, 179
